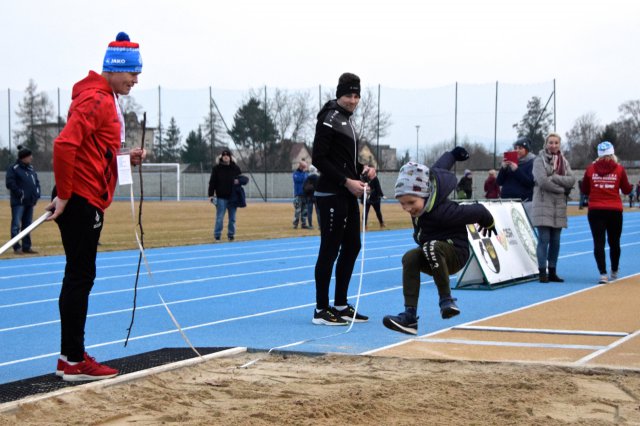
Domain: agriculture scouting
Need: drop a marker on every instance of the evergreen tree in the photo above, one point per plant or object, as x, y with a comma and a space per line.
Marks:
535, 124
195, 150
254, 129
169, 150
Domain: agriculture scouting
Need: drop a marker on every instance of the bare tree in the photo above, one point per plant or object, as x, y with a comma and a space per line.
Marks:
291, 113
628, 130
581, 139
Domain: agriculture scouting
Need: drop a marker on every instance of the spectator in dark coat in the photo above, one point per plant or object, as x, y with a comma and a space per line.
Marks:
224, 176
374, 198
24, 188
516, 179
465, 186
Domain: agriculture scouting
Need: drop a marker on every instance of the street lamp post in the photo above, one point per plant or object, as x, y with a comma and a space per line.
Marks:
417, 141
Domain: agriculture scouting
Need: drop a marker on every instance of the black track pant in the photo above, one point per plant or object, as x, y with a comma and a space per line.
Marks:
606, 224
80, 226
339, 239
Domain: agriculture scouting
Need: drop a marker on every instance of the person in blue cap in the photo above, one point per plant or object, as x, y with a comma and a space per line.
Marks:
85, 172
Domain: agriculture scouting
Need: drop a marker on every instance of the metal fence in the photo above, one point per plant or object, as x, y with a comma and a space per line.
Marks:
420, 118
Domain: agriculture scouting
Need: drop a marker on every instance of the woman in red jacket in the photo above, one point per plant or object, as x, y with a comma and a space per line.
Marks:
602, 183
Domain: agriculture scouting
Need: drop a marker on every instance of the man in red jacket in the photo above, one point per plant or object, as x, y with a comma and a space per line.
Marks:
85, 171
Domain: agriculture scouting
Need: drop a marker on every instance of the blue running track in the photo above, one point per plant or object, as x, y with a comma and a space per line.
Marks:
258, 294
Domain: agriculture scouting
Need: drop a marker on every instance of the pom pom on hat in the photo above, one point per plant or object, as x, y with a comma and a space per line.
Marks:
605, 148
523, 142
413, 180
122, 55
23, 152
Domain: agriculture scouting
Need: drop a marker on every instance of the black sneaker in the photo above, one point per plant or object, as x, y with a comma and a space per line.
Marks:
448, 308
404, 322
231, 238
327, 317
347, 314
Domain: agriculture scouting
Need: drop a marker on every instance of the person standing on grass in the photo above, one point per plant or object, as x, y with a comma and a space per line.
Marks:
603, 180
374, 199
335, 148
439, 229
85, 172
309, 188
24, 189
465, 186
553, 183
224, 176
491, 187
299, 198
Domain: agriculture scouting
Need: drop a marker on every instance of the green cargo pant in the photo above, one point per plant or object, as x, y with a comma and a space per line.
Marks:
435, 258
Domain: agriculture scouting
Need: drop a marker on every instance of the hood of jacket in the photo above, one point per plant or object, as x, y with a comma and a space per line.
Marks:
604, 167
93, 81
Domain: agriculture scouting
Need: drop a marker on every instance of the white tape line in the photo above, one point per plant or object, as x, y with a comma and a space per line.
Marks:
26, 231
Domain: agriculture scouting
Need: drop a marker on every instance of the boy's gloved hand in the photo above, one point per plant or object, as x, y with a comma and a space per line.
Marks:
460, 154
488, 230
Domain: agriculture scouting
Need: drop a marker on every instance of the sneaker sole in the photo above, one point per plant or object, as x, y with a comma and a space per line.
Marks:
85, 377
449, 313
392, 325
349, 319
320, 321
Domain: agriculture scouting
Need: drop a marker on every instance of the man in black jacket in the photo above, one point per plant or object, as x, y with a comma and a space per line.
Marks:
224, 176
24, 186
335, 155
439, 229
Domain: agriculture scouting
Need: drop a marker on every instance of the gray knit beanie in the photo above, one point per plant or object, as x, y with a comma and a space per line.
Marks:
413, 180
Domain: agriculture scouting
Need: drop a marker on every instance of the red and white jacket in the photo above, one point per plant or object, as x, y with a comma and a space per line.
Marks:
602, 183
84, 154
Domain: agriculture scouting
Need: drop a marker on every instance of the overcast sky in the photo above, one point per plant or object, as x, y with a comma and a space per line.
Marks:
589, 47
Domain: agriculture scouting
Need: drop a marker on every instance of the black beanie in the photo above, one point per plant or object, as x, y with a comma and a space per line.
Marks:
348, 83
23, 152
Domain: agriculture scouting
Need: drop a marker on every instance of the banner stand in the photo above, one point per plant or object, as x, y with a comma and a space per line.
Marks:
506, 259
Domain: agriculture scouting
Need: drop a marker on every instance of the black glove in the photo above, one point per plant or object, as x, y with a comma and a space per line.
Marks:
460, 154
486, 231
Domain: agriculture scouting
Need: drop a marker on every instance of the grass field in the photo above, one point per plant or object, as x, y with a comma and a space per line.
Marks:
170, 223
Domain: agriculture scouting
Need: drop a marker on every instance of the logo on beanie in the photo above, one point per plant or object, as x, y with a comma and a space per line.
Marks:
122, 55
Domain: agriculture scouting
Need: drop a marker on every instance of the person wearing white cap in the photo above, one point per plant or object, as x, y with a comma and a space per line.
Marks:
553, 183
603, 180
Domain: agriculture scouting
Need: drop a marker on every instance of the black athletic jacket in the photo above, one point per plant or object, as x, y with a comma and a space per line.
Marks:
335, 149
444, 219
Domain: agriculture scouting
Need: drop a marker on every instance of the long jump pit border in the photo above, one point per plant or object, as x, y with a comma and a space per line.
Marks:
595, 327
133, 367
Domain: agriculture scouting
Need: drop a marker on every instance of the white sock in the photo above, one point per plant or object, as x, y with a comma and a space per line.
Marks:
341, 308
63, 357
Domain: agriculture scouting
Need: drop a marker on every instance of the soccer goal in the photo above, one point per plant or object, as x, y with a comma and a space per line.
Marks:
161, 172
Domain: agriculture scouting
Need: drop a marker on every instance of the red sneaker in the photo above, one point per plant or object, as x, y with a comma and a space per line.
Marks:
60, 368
88, 369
